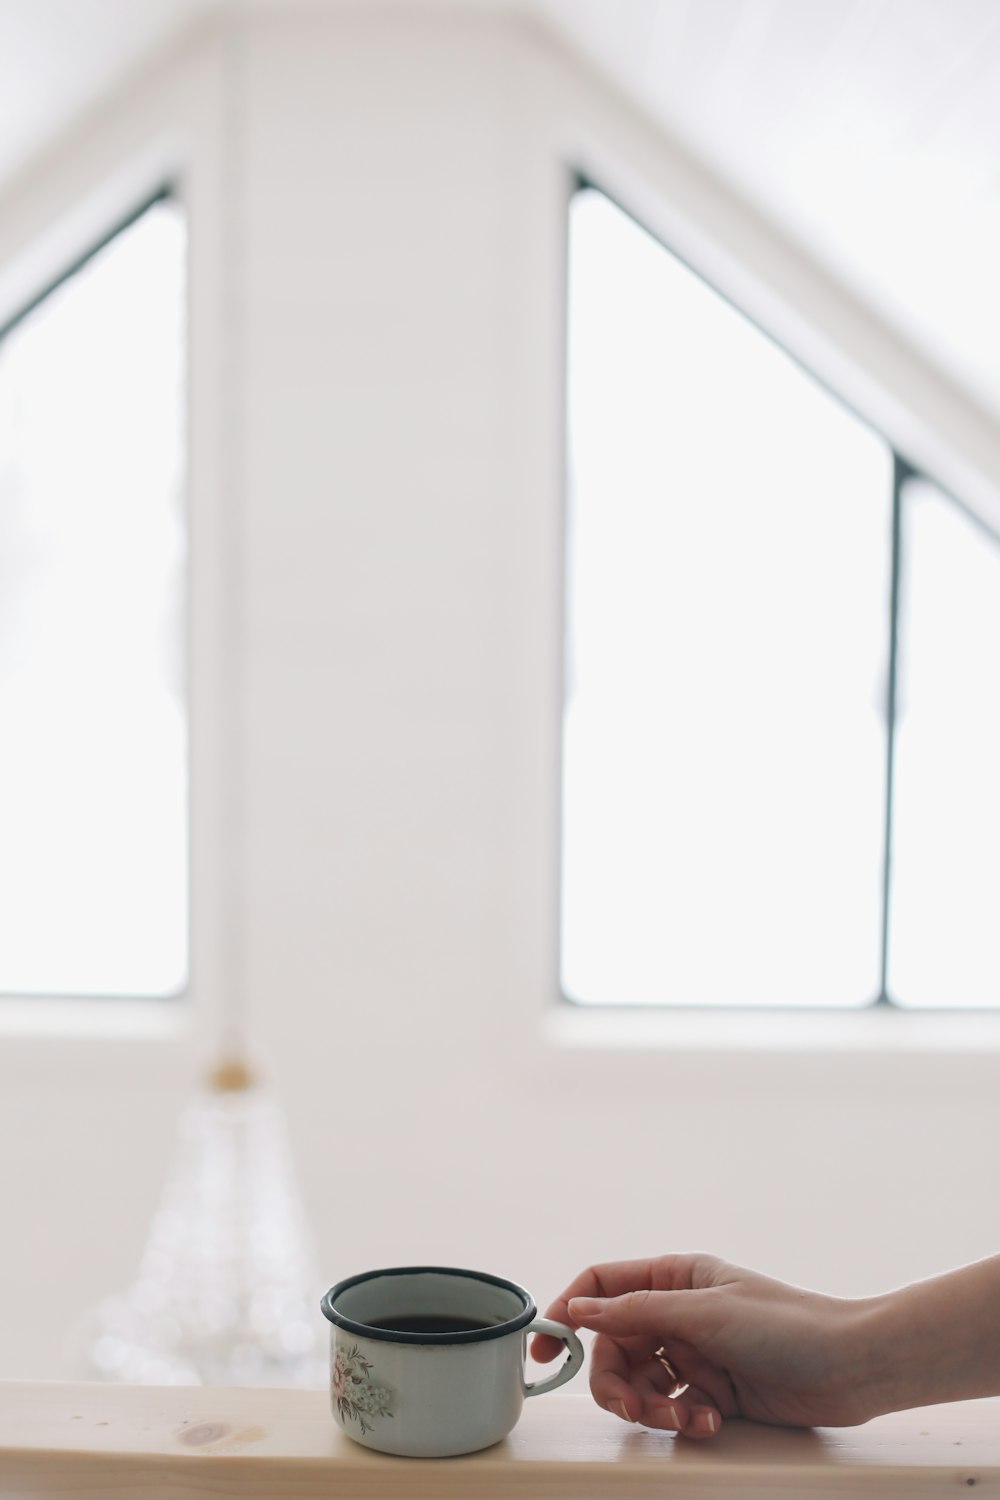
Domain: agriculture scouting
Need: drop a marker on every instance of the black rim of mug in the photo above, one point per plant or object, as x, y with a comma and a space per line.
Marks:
391, 1336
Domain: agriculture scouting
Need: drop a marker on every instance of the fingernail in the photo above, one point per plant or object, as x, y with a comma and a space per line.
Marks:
624, 1411
585, 1307
710, 1421
675, 1421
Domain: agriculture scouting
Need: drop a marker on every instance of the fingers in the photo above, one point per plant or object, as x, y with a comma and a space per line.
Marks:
638, 1395
692, 1415
697, 1417
544, 1348
611, 1380
664, 1273
694, 1370
616, 1278
656, 1315
596, 1281
692, 1410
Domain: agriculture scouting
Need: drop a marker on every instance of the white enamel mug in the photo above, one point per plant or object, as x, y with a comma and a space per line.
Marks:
434, 1394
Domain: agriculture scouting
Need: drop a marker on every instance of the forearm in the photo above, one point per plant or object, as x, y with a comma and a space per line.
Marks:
937, 1340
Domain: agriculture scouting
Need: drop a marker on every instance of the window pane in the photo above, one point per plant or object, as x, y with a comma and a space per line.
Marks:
93, 859
946, 789
728, 578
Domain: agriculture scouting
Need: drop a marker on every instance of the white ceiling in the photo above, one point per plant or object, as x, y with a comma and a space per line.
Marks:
57, 57
869, 130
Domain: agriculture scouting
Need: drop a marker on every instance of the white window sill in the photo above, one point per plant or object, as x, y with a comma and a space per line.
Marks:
72, 1017
882, 1029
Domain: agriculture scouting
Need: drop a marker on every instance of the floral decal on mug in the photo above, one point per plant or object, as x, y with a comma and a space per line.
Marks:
355, 1394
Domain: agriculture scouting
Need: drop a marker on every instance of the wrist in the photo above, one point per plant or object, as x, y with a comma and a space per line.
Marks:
885, 1365
936, 1340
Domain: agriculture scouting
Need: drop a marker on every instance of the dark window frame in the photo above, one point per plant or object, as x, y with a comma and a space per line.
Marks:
164, 193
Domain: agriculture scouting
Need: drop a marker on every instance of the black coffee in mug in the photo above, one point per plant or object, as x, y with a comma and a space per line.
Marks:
427, 1323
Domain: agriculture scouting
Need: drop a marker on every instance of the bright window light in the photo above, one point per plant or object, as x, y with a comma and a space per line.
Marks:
945, 891
93, 759
729, 569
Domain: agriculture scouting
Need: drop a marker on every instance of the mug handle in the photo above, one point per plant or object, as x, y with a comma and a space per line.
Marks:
568, 1369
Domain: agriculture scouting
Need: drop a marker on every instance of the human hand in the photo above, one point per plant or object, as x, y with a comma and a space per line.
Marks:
745, 1345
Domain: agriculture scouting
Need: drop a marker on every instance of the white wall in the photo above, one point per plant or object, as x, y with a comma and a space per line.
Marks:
375, 675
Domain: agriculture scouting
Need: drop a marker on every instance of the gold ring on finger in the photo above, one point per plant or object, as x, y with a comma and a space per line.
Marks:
680, 1386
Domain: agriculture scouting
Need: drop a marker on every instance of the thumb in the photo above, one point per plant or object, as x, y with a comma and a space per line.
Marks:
666, 1315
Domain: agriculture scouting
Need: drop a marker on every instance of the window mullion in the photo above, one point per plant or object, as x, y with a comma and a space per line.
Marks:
901, 472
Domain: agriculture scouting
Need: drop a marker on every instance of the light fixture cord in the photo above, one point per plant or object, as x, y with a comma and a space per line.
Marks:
232, 1038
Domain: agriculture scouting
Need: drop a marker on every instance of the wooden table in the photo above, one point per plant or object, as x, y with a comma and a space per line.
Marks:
177, 1443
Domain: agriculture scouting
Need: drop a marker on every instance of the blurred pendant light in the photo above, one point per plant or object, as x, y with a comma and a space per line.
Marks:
225, 1293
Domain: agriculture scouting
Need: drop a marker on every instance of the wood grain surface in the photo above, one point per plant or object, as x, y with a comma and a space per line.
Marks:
177, 1443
